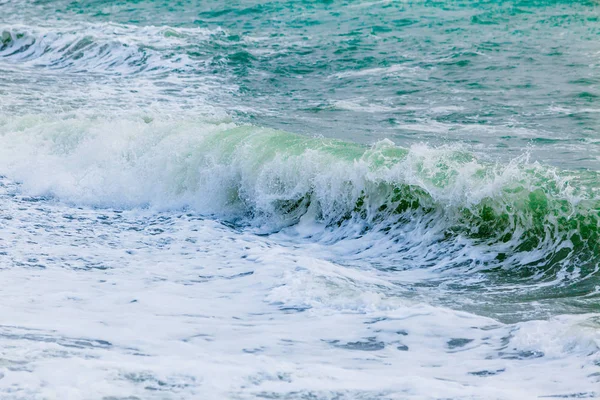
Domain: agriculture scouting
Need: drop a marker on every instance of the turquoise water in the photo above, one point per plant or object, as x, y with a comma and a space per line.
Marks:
318, 199
503, 76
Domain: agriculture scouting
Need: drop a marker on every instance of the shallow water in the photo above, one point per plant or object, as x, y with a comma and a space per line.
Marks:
299, 200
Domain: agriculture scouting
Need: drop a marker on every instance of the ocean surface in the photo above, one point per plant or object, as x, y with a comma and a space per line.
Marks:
316, 200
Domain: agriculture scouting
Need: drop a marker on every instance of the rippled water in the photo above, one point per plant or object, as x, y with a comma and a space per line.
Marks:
299, 200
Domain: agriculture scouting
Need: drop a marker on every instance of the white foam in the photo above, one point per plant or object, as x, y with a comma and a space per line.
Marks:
166, 305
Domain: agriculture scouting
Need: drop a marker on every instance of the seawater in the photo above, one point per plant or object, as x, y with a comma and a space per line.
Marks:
299, 199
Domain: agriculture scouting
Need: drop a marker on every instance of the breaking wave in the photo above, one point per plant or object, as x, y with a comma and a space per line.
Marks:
429, 205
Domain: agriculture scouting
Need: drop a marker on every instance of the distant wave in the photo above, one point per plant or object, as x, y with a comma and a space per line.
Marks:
104, 48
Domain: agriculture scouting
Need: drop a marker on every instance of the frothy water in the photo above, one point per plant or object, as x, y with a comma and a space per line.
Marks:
299, 201
159, 305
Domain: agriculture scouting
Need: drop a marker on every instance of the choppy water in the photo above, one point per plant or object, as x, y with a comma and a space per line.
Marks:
299, 200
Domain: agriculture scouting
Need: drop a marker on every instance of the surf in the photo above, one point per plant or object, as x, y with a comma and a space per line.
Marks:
522, 220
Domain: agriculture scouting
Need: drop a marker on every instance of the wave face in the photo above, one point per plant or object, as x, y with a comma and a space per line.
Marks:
441, 208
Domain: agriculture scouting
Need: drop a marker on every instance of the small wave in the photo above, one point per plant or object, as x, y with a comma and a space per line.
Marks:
393, 70
103, 48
